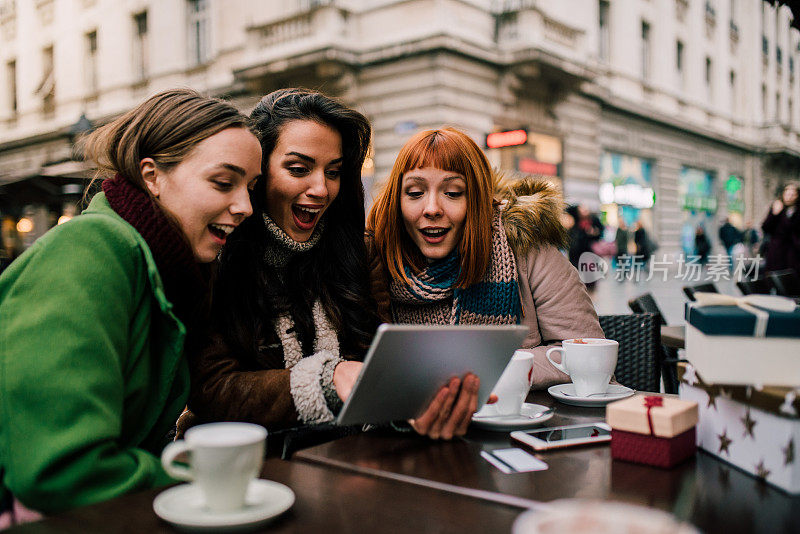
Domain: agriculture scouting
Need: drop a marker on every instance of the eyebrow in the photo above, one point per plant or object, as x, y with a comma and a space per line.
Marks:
310, 159
234, 168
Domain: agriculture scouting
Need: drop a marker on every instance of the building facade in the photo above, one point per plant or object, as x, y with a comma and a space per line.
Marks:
673, 113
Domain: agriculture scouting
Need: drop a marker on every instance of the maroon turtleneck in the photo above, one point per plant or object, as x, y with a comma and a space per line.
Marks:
185, 282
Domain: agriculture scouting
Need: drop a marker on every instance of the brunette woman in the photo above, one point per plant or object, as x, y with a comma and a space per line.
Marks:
292, 311
451, 242
95, 313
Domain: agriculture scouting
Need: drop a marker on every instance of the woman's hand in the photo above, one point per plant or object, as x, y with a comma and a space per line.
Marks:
344, 377
451, 410
777, 207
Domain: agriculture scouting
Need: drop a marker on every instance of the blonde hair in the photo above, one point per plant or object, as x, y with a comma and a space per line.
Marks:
454, 151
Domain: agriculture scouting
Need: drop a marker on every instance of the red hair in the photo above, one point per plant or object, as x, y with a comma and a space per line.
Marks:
450, 150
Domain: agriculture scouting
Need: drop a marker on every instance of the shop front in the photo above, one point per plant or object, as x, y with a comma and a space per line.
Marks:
526, 152
697, 193
627, 196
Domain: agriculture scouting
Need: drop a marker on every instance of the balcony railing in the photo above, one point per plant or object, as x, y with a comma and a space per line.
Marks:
282, 31
514, 26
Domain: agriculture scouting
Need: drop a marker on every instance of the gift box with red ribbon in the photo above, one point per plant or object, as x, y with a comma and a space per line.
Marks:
652, 429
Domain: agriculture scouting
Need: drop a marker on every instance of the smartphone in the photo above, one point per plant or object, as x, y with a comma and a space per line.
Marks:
564, 436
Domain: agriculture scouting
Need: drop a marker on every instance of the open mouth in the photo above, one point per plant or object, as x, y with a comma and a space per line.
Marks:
220, 231
434, 235
305, 217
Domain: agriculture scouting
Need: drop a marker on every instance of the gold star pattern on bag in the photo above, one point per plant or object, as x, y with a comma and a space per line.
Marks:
761, 470
724, 442
788, 453
749, 423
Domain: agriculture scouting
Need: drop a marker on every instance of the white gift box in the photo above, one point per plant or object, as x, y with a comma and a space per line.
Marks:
763, 443
744, 360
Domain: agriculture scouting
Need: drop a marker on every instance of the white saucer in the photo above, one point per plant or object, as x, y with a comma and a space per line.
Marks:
507, 423
566, 394
184, 508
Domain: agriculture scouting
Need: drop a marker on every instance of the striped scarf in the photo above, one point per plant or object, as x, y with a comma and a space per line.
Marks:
431, 298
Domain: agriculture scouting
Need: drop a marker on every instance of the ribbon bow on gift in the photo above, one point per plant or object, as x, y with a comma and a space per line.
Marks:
650, 402
755, 304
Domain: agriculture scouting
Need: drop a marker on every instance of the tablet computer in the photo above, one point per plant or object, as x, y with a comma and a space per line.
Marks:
407, 364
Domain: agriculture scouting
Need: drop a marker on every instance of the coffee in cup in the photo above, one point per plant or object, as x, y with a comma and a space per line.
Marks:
223, 459
589, 362
513, 385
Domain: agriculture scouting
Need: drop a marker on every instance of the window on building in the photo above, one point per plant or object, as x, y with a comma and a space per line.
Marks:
605, 32
198, 18
47, 86
90, 62
778, 107
679, 62
709, 76
734, 94
11, 75
645, 50
790, 104
734, 26
140, 46
764, 101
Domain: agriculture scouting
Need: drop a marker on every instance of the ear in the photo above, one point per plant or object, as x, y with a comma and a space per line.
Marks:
150, 175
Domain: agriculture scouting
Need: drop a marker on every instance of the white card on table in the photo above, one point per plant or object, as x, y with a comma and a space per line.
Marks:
518, 460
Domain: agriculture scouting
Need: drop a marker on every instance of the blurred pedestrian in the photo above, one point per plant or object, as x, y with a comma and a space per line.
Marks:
702, 246
729, 235
751, 237
782, 226
644, 245
584, 234
621, 238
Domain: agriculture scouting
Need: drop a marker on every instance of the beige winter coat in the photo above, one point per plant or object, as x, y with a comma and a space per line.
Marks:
555, 303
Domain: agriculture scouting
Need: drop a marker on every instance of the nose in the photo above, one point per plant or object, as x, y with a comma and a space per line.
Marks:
317, 185
240, 206
433, 207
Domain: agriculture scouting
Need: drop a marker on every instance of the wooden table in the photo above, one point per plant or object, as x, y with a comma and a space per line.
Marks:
705, 491
328, 501
674, 336
387, 482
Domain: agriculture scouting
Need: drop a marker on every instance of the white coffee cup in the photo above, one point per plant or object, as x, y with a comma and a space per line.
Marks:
589, 362
513, 385
223, 458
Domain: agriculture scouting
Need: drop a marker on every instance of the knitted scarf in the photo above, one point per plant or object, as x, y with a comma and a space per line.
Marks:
185, 281
431, 298
280, 249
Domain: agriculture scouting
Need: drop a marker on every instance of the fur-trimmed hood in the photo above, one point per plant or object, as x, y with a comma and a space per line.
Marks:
531, 210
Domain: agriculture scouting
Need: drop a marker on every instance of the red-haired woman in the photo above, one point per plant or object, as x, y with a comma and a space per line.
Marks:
451, 242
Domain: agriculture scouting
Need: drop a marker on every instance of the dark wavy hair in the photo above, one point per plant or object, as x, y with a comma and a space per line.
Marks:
248, 295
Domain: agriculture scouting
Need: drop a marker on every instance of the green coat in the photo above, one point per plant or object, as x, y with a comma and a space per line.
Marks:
92, 375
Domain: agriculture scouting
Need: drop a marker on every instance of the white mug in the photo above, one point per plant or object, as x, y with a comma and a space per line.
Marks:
513, 385
589, 362
223, 459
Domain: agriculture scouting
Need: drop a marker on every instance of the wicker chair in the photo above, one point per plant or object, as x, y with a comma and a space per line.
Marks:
647, 304
689, 291
758, 286
640, 356
786, 283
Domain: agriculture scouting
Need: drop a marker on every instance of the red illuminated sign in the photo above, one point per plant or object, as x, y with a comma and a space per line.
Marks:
531, 166
509, 138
